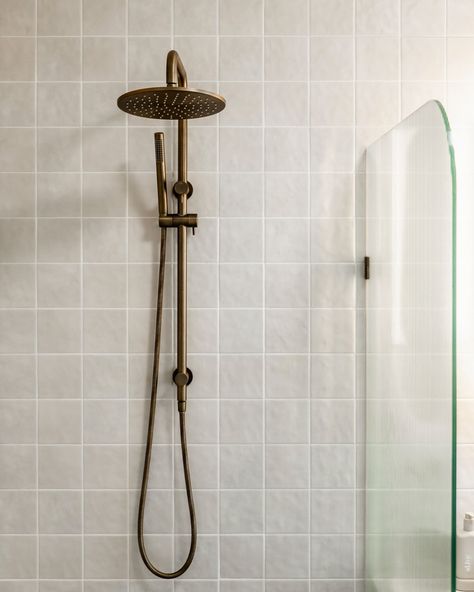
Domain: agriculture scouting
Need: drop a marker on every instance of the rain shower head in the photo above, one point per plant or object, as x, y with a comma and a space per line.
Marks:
171, 102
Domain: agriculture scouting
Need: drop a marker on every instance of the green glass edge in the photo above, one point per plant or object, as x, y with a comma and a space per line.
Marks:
454, 346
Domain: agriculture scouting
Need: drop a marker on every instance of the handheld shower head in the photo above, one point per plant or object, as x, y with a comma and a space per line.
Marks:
160, 163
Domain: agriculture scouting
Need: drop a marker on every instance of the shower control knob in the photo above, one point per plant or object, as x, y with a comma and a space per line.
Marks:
182, 188
182, 378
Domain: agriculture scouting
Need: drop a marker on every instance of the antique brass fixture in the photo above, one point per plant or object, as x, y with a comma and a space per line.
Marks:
174, 101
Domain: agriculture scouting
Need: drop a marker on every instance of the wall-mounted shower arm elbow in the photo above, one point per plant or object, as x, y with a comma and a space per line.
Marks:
175, 71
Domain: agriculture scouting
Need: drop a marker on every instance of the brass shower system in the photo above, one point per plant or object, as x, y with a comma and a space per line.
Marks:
173, 101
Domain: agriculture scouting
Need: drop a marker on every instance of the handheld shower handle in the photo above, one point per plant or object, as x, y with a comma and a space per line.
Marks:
160, 162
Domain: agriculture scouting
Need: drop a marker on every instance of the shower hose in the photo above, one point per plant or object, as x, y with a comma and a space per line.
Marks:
149, 440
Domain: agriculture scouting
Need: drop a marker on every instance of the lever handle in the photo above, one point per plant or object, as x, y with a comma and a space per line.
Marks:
160, 162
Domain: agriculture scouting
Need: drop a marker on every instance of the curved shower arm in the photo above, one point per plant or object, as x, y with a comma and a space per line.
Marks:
175, 71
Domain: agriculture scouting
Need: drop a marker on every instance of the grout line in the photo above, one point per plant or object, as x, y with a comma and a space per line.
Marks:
36, 300
129, 537
264, 288
218, 255
354, 247
81, 115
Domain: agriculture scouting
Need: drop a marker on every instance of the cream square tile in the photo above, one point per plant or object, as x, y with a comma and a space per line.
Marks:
197, 18
105, 557
59, 240
17, 423
18, 512
105, 377
60, 467
332, 195
59, 377
59, 285
332, 422
17, 377
286, 331
240, 285
202, 330
244, 103
103, 149
332, 512
98, 457
332, 241
286, 466
423, 58
460, 17
59, 194
105, 286
333, 286
284, 18
281, 189
286, 147
104, 17
377, 58
241, 58
105, 422
59, 149
377, 17
286, 511
286, 58
202, 281
146, 58
98, 100
203, 150
327, 553
200, 56
19, 467
241, 467
241, 376
104, 240
17, 149
105, 512
280, 101
414, 21
104, 331
17, 334
17, 286
18, 18
59, 331
240, 192
60, 422
240, 149
286, 241
286, 556
244, 18
332, 467
287, 376
332, 150
18, 191
14, 547
17, 58
333, 376
332, 103
17, 241
240, 240
332, 17
332, 331
60, 512
241, 422
287, 422
332, 58
18, 109
241, 331
104, 194
377, 103
241, 512
286, 286
59, 58
56, 17
241, 557
104, 58
149, 17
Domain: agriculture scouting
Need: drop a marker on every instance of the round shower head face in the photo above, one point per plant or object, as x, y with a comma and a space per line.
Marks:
171, 102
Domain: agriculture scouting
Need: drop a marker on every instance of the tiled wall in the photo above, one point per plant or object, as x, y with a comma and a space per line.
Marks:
273, 304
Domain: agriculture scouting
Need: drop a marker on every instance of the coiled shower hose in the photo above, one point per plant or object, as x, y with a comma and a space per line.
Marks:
149, 440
